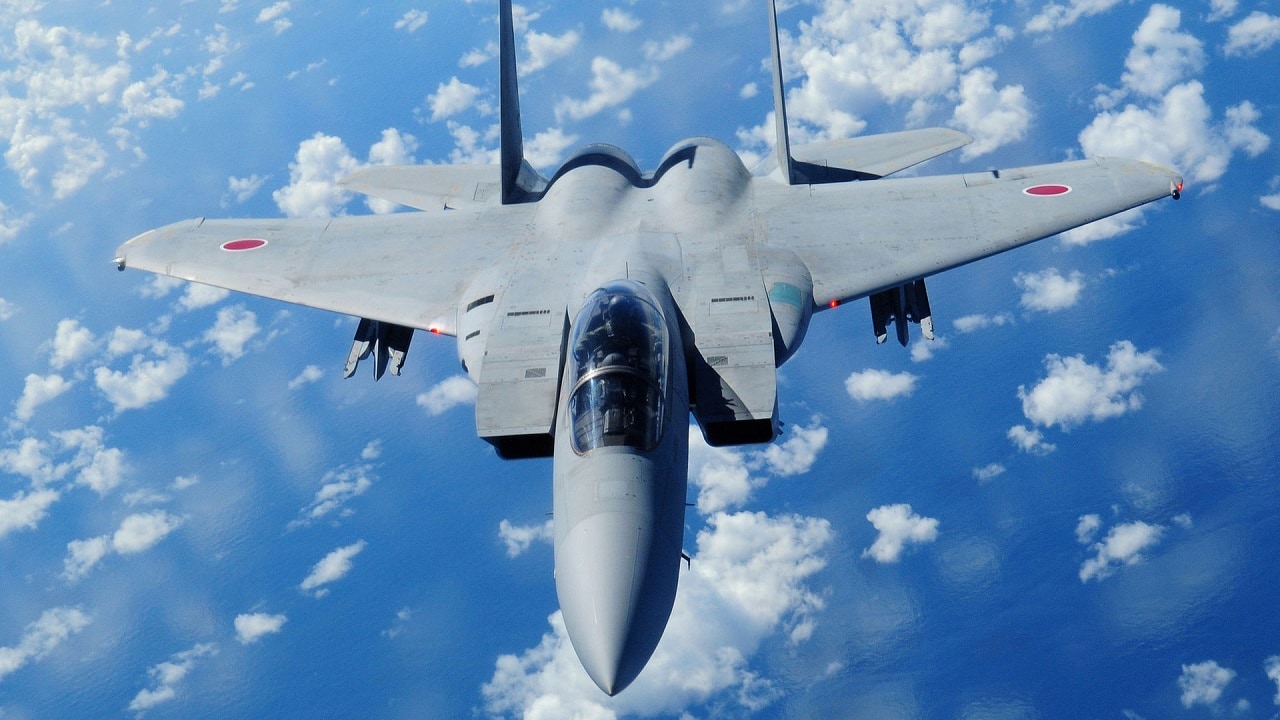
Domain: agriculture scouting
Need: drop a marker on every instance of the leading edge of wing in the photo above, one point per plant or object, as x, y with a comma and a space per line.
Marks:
407, 269
428, 187
860, 238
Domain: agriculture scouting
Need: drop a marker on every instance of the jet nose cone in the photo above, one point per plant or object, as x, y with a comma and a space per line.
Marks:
600, 571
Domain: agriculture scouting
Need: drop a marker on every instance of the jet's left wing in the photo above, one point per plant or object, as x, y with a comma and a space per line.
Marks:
861, 238
407, 269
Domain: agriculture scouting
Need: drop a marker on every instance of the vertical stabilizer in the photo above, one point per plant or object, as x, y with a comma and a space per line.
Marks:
519, 179
783, 145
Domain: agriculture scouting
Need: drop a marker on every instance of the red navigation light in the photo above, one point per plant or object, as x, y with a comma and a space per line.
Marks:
835, 303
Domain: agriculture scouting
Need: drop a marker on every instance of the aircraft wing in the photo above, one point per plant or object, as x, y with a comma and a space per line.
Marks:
861, 238
406, 269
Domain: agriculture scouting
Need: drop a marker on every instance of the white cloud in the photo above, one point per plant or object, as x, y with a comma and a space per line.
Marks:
199, 295
1075, 391
274, 14
519, 537
748, 582
1123, 545
1252, 35
1161, 56
1203, 683
1048, 290
337, 488
412, 21
1055, 15
898, 526
922, 349
10, 227
160, 286
448, 394
38, 390
720, 474
610, 86
372, 451
971, 323
1087, 528
165, 677
41, 638
547, 147
82, 555
993, 117
1029, 440
988, 472
619, 20
879, 385
313, 189
451, 98
1222, 9
797, 453
667, 49
309, 374
233, 329
1272, 667
141, 531
25, 510
749, 91
332, 567
8, 309
71, 343
241, 189
542, 49
252, 627
146, 382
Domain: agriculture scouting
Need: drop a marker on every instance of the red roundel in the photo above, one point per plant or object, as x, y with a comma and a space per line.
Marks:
1047, 190
244, 244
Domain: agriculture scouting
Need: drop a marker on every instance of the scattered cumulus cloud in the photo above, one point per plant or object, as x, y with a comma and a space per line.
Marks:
274, 14
1222, 9
71, 343
38, 390
41, 638
898, 526
1048, 290
1029, 440
726, 477
1058, 15
331, 568
610, 86
198, 295
10, 226
1202, 683
337, 488
233, 329
137, 533
519, 538
167, 676
241, 189
994, 117
619, 20
309, 374
1075, 391
1123, 545
972, 323
1253, 35
867, 385
8, 309
542, 49
412, 21
25, 510
662, 51
1272, 667
451, 98
1087, 528
448, 394
252, 627
988, 472
313, 189
147, 381
749, 91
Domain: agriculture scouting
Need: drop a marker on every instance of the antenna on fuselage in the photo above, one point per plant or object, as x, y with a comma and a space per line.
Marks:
519, 179
783, 144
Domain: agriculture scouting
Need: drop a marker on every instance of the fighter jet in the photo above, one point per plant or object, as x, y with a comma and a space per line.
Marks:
599, 308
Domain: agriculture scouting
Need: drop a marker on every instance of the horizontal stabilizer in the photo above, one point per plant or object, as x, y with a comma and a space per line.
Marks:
872, 156
428, 187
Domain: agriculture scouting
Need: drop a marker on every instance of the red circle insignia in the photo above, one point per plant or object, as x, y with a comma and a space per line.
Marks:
244, 244
1047, 190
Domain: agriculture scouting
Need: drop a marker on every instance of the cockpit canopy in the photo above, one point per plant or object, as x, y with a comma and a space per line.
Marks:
618, 366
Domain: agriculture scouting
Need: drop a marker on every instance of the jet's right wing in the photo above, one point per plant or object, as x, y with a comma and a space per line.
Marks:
861, 238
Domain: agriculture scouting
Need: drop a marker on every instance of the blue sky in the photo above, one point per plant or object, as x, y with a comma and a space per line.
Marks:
1063, 506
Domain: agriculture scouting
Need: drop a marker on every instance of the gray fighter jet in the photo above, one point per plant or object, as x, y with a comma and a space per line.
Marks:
597, 308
